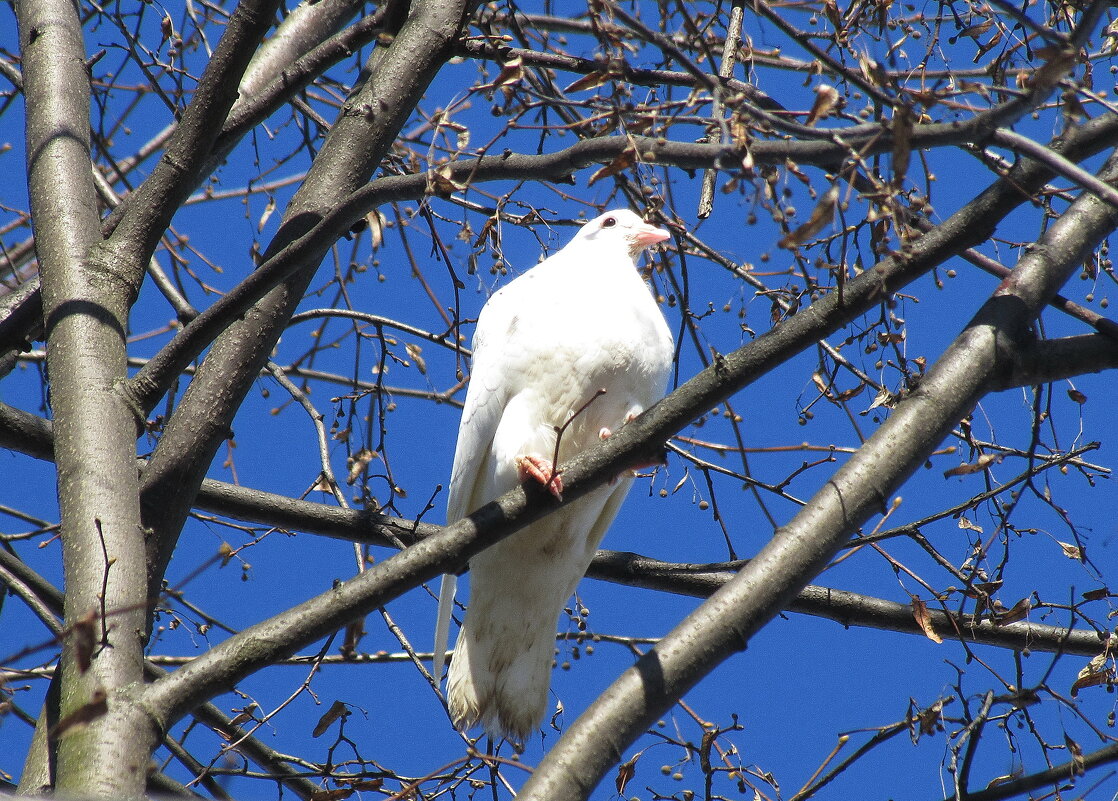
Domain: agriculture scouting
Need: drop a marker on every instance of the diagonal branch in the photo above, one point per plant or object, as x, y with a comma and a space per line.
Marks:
862, 487
152, 381
397, 75
634, 443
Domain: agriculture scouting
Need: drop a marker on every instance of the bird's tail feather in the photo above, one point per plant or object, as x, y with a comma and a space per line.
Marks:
447, 589
501, 682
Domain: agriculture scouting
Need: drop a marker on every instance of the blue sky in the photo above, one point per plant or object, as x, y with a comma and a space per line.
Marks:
802, 680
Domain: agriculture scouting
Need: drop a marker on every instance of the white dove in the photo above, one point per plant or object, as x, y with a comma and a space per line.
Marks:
545, 346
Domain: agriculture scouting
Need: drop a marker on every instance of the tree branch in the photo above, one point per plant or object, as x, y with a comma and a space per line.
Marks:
151, 382
1057, 775
85, 311
46, 600
398, 74
859, 489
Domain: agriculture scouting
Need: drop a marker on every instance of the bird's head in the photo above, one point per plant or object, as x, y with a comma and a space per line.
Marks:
623, 229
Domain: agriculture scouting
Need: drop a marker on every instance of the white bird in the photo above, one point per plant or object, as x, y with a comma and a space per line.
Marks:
545, 345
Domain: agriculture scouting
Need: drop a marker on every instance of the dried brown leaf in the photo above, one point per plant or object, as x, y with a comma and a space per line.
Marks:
969, 525
1078, 767
930, 718
834, 16
924, 620
626, 159
1071, 551
883, 398
488, 232
375, 221
358, 462
336, 711
441, 182
268, 210
821, 215
1057, 62
853, 392
361, 784
976, 30
986, 587
244, 715
414, 352
983, 461
511, 72
1094, 673
354, 633
626, 771
826, 98
1003, 779
902, 147
871, 70
332, 795
1019, 611
589, 81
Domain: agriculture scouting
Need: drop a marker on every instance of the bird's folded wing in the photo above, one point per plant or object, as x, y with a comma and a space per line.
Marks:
481, 415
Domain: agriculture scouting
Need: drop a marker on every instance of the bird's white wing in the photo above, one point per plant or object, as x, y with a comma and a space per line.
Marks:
481, 414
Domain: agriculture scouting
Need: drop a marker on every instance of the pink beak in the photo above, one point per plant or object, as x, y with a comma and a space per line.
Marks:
647, 235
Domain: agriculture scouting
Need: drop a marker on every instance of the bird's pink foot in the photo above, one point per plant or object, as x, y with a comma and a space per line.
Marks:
604, 433
541, 470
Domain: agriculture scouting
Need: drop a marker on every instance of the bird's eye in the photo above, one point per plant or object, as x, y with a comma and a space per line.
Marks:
609, 222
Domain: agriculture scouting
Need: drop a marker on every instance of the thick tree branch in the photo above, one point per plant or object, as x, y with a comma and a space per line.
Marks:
502, 170
834, 514
397, 77
303, 29
847, 608
700, 581
1056, 776
22, 313
861, 488
85, 311
758, 106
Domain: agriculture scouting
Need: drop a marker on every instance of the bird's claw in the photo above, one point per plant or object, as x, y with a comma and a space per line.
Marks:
542, 471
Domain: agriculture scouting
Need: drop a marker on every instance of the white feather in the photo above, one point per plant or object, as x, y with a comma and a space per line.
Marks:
580, 321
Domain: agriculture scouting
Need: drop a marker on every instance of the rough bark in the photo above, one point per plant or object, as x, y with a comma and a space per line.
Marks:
85, 308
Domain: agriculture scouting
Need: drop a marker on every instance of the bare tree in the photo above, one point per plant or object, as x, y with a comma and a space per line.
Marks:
319, 198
